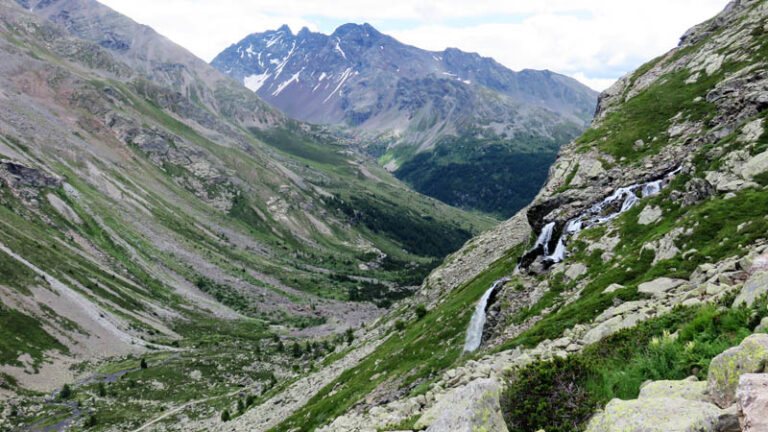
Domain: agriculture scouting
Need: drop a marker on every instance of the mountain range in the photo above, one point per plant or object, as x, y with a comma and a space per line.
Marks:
454, 125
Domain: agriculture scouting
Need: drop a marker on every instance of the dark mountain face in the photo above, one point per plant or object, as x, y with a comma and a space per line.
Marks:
402, 101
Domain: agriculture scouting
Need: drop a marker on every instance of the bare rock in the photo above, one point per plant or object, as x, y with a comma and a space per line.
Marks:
752, 395
754, 287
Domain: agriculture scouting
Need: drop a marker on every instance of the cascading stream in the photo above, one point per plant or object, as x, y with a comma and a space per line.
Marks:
627, 196
477, 323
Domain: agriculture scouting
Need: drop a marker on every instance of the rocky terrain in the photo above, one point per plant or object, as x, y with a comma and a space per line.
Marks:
633, 289
630, 295
428, 116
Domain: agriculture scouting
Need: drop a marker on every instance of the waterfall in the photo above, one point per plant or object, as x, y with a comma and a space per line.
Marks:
476, 324
545, 237
627, 196
651, 188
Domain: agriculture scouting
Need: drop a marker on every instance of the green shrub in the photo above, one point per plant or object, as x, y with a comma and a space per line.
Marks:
399, 325
549, 395
421, 311
91, 421
225, 415
66, 392
561, 394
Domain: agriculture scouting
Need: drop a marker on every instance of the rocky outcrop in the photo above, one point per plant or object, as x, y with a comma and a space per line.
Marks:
18, 175
725, 370
752, 395
475, 256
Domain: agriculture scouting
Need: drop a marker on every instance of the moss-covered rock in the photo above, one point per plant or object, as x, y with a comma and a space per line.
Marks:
686, 389
471, 408
750, 356
666, 414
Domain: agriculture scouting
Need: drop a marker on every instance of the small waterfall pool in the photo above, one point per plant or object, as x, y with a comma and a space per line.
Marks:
477, 323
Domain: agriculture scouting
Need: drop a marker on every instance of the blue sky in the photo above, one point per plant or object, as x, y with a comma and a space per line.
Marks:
594, 41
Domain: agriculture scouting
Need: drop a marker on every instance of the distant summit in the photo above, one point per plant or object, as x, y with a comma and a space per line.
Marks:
404, 101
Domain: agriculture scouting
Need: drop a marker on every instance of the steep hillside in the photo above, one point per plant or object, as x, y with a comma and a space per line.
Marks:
155, 212
642, 259
457, 126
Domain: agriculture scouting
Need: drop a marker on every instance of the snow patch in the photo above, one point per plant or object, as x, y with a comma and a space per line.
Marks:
254, 82
344, 77
274, 40
285, 60
338, 48
281, 87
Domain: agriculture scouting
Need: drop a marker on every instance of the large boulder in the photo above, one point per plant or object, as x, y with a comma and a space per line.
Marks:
649, 215
470, 408
687, 389
752, 395
754, 287
662, 414
751, 356
659, 287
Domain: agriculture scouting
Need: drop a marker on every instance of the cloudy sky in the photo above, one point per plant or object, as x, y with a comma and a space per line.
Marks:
594, 41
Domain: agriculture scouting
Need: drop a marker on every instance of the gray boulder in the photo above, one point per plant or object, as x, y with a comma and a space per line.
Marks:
659, 287
663, 414
751, 356
754, 287
473, 407
649, 215
686, 389
752, 395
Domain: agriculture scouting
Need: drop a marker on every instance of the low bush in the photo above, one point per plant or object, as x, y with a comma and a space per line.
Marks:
561, 394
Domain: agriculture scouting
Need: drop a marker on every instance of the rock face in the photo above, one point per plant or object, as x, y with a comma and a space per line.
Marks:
751, 356
474, 407
18, 175
752, 395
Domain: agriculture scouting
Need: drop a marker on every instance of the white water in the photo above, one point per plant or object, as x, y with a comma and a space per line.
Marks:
628, 196
476, 324
545, 237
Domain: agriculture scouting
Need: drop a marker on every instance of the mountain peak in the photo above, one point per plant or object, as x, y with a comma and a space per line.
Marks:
364, 30
284, 29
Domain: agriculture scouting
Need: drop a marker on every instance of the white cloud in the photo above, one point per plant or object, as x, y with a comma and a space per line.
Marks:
594, 41
598, 84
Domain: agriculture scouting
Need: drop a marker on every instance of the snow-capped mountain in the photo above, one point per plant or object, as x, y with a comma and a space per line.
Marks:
406, 101
353, 74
